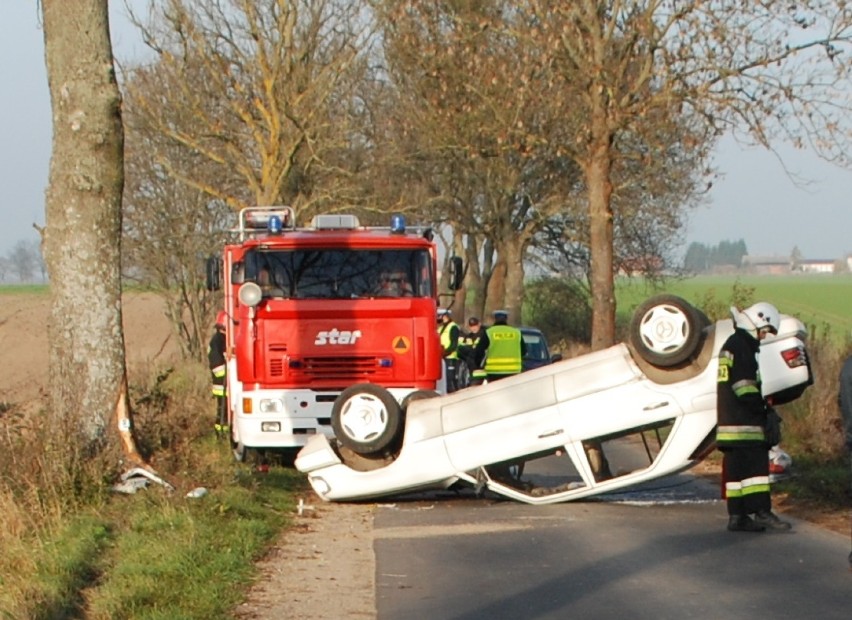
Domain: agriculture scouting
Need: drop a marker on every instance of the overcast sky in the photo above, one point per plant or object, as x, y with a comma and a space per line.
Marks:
755, 201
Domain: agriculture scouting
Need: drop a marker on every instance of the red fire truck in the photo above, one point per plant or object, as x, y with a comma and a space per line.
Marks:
331, 327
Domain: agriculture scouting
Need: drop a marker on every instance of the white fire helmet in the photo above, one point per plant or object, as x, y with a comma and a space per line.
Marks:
754, 318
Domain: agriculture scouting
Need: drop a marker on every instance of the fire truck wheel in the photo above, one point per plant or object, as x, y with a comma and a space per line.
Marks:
366, 418
666, 330
239, 451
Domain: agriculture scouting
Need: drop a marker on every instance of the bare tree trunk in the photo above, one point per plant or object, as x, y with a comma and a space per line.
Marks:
514, 248
83, 226
496, 295
598, 181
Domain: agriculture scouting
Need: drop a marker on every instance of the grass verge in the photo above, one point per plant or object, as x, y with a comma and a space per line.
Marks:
155, 554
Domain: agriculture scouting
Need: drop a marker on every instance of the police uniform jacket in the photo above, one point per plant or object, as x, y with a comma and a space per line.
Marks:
449, 333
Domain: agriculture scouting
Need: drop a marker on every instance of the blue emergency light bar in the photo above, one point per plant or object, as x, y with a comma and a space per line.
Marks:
263, 219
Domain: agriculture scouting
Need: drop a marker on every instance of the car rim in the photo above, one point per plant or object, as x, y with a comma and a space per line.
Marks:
664, 329
363, 417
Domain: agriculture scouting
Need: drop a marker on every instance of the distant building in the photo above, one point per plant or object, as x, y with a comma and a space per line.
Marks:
816, 265
767, 265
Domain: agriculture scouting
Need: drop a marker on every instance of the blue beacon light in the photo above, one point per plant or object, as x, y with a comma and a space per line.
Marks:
274, 224
397, 223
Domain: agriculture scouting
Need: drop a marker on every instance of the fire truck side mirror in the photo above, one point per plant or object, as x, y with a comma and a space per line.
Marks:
213, 272
456, 273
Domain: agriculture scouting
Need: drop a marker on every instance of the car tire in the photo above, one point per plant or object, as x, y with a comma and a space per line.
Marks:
417, 395
366, 418
666, 330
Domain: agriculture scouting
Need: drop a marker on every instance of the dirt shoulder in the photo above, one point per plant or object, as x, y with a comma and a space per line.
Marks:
323, 567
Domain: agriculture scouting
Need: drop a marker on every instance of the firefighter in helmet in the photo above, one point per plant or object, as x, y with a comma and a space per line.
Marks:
216, 360
742, 414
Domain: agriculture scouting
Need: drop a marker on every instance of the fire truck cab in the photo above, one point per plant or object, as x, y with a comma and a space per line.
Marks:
328, 309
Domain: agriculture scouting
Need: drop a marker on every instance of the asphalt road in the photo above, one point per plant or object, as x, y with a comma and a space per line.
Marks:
659, 552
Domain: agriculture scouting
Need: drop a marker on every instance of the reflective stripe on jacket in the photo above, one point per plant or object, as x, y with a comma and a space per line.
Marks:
749, 486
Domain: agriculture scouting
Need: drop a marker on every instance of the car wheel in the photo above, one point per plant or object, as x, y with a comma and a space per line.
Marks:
366, 418
666, 330
417, 395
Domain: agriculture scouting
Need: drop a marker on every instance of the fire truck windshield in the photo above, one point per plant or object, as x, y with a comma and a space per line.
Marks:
340, 273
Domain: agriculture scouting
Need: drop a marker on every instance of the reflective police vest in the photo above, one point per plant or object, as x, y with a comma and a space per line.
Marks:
445, 330
504, 350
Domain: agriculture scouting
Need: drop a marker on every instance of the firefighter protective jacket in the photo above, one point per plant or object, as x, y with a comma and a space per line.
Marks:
740, 405
216, 361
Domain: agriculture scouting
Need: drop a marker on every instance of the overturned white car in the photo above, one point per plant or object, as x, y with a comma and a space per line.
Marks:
579, 427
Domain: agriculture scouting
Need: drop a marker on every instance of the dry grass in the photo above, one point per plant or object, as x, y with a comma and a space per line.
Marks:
53, 484
17, 562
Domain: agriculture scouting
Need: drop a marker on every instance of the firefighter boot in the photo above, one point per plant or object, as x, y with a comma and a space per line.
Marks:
743, 523
770, 520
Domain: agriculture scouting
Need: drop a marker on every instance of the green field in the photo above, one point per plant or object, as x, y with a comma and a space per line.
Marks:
23, 289
822, 302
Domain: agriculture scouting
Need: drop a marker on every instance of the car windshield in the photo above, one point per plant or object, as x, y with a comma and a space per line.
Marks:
336, 273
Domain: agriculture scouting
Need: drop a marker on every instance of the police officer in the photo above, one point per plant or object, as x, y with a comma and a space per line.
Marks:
449, 331
217, 363
502, 347
467, 348
742, 415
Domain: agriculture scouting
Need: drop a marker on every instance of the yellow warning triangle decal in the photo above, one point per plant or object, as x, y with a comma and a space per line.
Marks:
401, 344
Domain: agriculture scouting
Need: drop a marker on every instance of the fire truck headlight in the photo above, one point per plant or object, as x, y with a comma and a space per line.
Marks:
271, 405
250, 294
270, 427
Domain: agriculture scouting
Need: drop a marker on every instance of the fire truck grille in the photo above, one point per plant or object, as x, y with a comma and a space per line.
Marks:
325, 367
